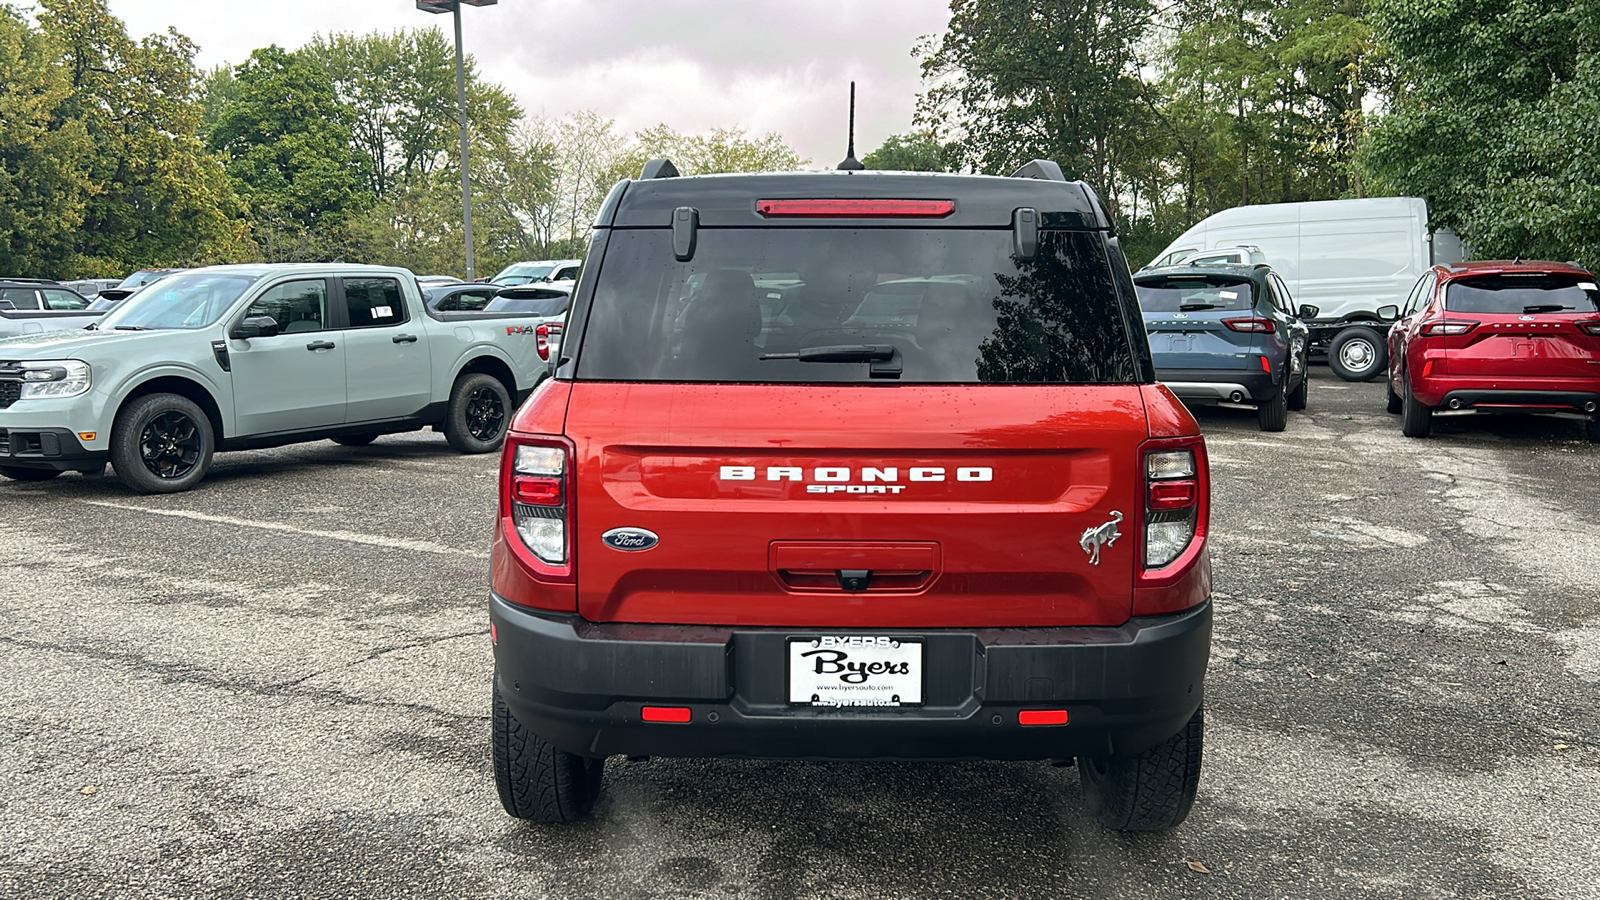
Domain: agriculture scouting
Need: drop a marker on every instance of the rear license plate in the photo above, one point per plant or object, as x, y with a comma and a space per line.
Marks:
855, 671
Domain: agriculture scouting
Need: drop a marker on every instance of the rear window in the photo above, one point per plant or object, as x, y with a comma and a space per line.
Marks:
537, 302
1195, 293
1523, 294
953, 304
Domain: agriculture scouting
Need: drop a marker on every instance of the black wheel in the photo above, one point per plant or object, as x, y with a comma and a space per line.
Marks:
1393, 400
20, 473
1273, 414
1150, 791
354, 440
1300, 394
161, 444
1416, 420
479, 414
537, 781
1357, 354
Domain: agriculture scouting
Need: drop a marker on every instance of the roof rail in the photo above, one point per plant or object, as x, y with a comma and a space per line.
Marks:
1043, 169
29, 280
658, 168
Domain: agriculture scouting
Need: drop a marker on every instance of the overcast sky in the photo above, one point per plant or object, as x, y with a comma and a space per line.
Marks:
763, 65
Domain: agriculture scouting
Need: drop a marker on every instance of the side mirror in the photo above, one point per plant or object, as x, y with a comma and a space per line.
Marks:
1307, 311
253, 327
1389, 313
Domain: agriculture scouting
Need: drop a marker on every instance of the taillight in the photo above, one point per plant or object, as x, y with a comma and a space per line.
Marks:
538, 491
1590, 327
1173, 493
856, 209
1254, 326
547, 340
1448, 326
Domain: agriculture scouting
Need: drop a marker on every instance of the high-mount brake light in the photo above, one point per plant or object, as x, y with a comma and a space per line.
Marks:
1172, 505
1448, 326
856, 209
1253, 326
540, 500
1589, 327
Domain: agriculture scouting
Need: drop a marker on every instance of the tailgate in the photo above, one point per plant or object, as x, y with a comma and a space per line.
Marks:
856, 505
1200, 340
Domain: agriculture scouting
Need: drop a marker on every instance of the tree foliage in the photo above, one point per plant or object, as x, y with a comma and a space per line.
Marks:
919, 151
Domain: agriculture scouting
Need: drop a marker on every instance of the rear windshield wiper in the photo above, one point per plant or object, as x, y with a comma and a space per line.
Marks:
1544, 307
1196, 307
885, 360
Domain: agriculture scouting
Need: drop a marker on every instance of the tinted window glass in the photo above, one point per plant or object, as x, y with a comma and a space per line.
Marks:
954, 305
1195, 293
295, 305
63, 300
539, 303
21, 298
1519, 294
570, 273
180, 301
374, 302
466, 301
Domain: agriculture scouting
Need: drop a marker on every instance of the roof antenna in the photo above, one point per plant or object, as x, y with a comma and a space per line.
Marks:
851, 164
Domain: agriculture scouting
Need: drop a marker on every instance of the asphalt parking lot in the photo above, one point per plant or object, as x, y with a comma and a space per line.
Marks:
277, 686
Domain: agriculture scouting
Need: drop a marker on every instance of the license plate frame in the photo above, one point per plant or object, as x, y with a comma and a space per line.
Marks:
884, 688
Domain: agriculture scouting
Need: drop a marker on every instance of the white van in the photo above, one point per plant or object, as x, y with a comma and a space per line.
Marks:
1350, 259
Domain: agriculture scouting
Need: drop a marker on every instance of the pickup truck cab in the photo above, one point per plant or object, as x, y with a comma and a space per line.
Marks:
34, 306
240, 357
853, 465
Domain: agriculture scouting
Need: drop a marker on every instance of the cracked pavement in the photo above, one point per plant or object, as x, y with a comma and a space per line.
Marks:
277, 685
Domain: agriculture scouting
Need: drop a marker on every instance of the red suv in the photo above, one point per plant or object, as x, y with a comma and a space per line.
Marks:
853, 466
1492, 337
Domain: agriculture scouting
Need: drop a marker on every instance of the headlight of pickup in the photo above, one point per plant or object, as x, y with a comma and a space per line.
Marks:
54, 378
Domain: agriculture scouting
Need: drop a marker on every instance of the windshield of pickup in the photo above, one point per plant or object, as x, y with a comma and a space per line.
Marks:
522, 274
196, 300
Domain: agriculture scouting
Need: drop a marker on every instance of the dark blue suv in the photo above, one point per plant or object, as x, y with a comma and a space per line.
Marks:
1226, 335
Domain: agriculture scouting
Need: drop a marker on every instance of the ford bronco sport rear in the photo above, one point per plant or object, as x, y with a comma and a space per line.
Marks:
853, 465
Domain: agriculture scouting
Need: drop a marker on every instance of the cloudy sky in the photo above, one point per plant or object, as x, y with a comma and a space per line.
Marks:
764, 65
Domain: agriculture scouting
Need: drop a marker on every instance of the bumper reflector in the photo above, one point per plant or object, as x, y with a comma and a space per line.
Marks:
86, 435
677, 714
1042, 717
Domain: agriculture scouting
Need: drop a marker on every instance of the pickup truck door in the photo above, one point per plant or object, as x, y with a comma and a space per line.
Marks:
388, 372
295, 379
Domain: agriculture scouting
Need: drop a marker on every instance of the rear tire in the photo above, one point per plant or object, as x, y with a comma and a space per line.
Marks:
536, 780
1301, 393
161, 444
22, 473
1394, 402
1416, 420
1150, 791
479, 414
354, 440
1591, 429
1273, 415
1357, 354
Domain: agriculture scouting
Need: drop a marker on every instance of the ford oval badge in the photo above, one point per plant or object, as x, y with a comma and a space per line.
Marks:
630, 539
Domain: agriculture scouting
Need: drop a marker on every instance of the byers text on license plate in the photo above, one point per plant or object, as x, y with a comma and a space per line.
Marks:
855, 670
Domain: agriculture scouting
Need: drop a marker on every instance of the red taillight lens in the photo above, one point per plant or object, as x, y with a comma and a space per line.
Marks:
1448, 326
1266, 365
1172, 503
1254, 326
1172, 494
538, 491
1589, 327
547, 339
856, 209
537, 498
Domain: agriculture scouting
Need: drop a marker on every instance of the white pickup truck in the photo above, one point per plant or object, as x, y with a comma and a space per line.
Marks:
249, 356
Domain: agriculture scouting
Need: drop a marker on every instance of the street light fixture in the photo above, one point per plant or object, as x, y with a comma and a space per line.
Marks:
454, 8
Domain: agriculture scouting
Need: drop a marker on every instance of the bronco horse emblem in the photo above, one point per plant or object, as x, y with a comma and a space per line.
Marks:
1100, 536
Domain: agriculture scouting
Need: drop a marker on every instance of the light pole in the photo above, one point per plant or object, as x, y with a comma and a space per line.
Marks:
454, 7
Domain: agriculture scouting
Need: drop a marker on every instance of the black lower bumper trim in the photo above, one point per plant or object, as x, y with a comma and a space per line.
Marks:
47, 448
1576, 400
582, 685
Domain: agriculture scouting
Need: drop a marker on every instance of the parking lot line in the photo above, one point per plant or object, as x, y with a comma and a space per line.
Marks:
353, 537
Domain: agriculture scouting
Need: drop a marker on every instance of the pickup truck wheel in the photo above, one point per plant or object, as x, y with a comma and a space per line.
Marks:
1393, 399
480, 413
1151, 791
1273, 414
20, 473
1416, 420
161, 444
537, 781
354, 440
1357, 354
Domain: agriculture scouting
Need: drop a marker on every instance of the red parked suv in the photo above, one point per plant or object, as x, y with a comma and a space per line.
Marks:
1494, 337
853, 465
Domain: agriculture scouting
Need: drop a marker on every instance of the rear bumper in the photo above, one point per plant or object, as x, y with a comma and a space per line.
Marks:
47, 448
1570, 395
581, 686
1219, 385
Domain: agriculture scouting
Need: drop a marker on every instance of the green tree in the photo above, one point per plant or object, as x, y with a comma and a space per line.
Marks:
919, 151
287, 142
44, 185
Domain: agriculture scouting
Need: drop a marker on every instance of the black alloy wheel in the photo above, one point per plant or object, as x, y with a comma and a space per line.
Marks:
170, 445
486, 415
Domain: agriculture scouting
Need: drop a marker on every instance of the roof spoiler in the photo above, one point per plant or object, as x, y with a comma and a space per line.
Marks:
1042, 169
658, 168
